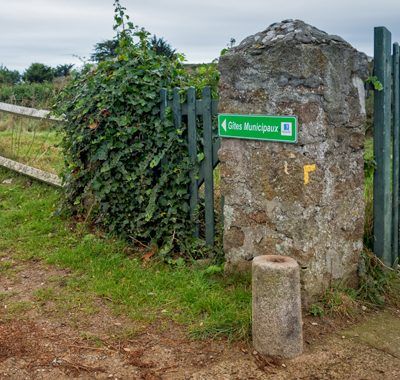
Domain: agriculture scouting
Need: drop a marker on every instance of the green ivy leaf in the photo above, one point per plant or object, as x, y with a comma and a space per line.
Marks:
121, 160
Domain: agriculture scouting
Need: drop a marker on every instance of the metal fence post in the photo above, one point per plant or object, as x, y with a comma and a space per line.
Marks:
382, 145
208, 165
192, 139
396, 148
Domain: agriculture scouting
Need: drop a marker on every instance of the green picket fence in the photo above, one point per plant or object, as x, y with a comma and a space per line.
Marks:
191, 109
386, 137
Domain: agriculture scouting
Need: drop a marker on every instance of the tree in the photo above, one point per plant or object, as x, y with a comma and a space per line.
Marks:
38, 73
108, 49
62, 71
8, 76
162, 47
105, 49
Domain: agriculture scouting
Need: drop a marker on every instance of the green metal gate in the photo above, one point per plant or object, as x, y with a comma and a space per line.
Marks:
386, 138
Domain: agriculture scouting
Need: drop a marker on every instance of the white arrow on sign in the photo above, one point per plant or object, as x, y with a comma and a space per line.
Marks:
224, 125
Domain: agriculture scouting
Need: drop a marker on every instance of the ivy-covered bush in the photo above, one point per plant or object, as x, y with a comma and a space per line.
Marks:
114, 142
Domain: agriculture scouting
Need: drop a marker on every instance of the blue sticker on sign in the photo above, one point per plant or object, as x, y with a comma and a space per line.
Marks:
286, 129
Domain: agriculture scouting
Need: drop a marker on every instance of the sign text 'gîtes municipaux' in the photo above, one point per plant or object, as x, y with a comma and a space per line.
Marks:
258, 127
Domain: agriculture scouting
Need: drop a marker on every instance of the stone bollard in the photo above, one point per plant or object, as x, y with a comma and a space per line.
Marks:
277, 322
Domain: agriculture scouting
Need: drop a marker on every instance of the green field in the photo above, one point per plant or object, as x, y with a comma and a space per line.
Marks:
30, 142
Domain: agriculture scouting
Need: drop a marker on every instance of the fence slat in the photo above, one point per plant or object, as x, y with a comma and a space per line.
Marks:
30, 113
36, 174
177, 108
163, 106
396, 151
163, 103
192, 139
215, 161
382, 137
215, 106
208, 165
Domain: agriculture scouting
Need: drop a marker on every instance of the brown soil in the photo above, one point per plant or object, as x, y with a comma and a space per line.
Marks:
38, 341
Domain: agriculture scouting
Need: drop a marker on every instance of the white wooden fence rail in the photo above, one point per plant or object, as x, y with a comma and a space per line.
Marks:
31, 113
36, 174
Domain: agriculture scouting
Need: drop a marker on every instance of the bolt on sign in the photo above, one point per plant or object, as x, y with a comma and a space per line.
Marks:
258, 127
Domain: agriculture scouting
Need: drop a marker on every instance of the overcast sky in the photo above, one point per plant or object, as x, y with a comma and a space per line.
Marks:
52, 31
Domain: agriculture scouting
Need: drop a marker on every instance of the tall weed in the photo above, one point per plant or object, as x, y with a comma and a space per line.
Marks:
369, 168
34, 95
379, 284
368, 238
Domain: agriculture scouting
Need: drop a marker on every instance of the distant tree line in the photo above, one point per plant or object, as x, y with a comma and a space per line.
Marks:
39, 72
9, 76
35, 73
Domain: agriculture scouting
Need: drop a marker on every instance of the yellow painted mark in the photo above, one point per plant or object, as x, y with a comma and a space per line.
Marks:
307, 169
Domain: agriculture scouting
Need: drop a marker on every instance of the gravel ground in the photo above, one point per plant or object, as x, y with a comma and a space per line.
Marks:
38, 341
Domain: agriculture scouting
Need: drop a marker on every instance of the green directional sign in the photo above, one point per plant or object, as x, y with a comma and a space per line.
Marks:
258, 127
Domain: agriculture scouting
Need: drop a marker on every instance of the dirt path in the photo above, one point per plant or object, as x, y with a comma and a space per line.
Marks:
47, 332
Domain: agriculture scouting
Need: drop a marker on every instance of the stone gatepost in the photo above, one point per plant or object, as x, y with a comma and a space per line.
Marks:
303, 200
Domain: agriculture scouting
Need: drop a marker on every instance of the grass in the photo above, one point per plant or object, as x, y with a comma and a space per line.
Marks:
62, 302
30, 142
369, 198
379, 287
206, 303
17, 308
369, 147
